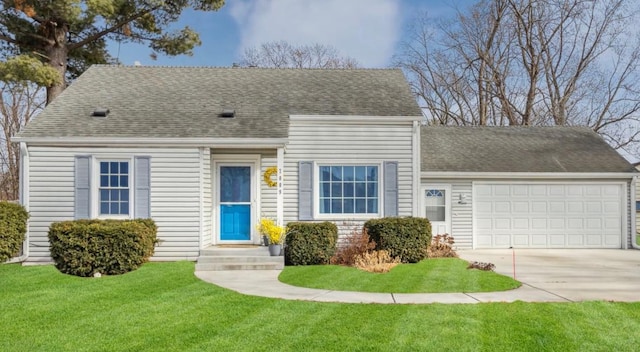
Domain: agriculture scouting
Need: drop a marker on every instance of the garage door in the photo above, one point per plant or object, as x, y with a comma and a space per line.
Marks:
548, 215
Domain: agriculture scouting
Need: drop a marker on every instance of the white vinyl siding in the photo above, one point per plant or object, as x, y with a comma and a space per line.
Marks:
175, 195
344, 143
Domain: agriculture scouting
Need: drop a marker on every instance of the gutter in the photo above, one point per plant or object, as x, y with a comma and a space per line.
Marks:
527, 175
245, 143
633, 200
24, 199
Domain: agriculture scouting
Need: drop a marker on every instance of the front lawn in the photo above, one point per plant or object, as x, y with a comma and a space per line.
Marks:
164, 307
431, 275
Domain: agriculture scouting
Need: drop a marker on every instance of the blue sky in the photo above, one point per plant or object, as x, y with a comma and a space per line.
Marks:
367, 30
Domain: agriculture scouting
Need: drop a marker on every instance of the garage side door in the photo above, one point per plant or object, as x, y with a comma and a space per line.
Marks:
539, 215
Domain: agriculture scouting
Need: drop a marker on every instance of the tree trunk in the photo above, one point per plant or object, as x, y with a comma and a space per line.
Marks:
57, 53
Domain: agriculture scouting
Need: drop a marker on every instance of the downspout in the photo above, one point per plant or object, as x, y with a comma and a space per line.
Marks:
24, 198
632, 198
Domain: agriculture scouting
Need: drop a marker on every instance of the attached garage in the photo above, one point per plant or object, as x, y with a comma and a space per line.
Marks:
527, 187
549, 215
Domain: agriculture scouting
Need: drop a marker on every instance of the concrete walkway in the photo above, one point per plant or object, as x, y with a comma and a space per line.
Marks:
547, 276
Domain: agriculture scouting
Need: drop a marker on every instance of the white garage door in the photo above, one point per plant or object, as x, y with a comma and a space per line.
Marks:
549, 215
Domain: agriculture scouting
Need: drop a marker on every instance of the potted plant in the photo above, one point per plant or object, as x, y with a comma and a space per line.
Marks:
267, 227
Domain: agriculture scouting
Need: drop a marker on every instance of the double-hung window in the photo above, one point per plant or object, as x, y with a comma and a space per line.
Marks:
114, 188
349, 189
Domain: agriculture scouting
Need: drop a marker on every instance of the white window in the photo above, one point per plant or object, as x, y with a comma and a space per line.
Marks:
114, 188
435, 204
348, 189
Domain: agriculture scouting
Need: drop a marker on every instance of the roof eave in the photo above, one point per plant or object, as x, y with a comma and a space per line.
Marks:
243, 143
526, 175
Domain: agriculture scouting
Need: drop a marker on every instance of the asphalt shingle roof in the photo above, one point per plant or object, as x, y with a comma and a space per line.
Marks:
517, 149
185, 102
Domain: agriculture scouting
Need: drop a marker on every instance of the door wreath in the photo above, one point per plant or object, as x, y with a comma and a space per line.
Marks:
267, 176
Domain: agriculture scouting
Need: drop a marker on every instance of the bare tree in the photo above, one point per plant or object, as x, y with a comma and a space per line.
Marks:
282, 54
20, 102
531, 62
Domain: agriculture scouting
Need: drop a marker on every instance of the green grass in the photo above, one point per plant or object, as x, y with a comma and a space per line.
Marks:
163, 307
432, 275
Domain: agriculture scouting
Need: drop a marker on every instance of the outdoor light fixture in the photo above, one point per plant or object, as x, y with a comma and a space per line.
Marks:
462, 199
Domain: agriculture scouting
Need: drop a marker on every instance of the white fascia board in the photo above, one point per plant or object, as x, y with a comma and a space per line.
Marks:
350, 119
245, 143
525, 175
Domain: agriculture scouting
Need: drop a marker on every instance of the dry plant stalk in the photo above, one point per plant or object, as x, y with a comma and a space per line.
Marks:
354, 245
481, 266
376, 261
442, 247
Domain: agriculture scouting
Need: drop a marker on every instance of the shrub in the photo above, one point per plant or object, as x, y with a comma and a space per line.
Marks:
310, 243
481, 266
13, 227
404, 237
112, 247
355, 244
376, 261
442, 247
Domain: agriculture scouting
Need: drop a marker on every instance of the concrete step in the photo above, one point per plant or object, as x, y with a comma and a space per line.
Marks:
252, 251
236, 259
239, 266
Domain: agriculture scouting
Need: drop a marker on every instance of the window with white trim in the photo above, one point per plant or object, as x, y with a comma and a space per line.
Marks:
348, 189
114, 188
435, 204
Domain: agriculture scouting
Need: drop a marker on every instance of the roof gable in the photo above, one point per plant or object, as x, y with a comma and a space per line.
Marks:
517, 149
185, 102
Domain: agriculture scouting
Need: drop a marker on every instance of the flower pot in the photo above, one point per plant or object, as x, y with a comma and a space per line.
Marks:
274, 249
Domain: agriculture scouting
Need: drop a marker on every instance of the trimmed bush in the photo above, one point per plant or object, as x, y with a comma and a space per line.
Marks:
111, 247
310, 243
13, 227
403, 237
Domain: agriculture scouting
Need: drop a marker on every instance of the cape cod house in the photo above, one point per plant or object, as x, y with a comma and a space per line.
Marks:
190, 147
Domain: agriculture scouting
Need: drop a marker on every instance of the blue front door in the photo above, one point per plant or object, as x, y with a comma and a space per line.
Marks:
235, 203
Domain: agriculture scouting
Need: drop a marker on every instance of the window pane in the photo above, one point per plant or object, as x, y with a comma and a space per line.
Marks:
347, 173
124, 208
336, 190
372, 190
336, 173
124, 181
104, 195
124, 167
325, 206
124, 195
361, 173
104, 208
115, 195
104, 181
325, 189
325, 173
113, 181
235, 184
372, 173
347, 206
349, 189
361, 190
104, 167
113, 167
361, 206
336, 206
372, 206
434, 213
114, 208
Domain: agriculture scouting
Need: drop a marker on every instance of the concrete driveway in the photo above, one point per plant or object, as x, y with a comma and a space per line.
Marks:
569, 274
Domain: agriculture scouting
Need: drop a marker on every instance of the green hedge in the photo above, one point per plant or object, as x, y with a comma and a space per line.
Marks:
13, 227
112, 247
310, 243
404, 237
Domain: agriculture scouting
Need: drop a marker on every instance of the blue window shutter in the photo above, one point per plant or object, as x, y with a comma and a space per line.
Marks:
82, 187
142, 186
305, 190
390, 188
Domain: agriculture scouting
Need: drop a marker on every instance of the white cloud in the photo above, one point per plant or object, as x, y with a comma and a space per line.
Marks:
366, 30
